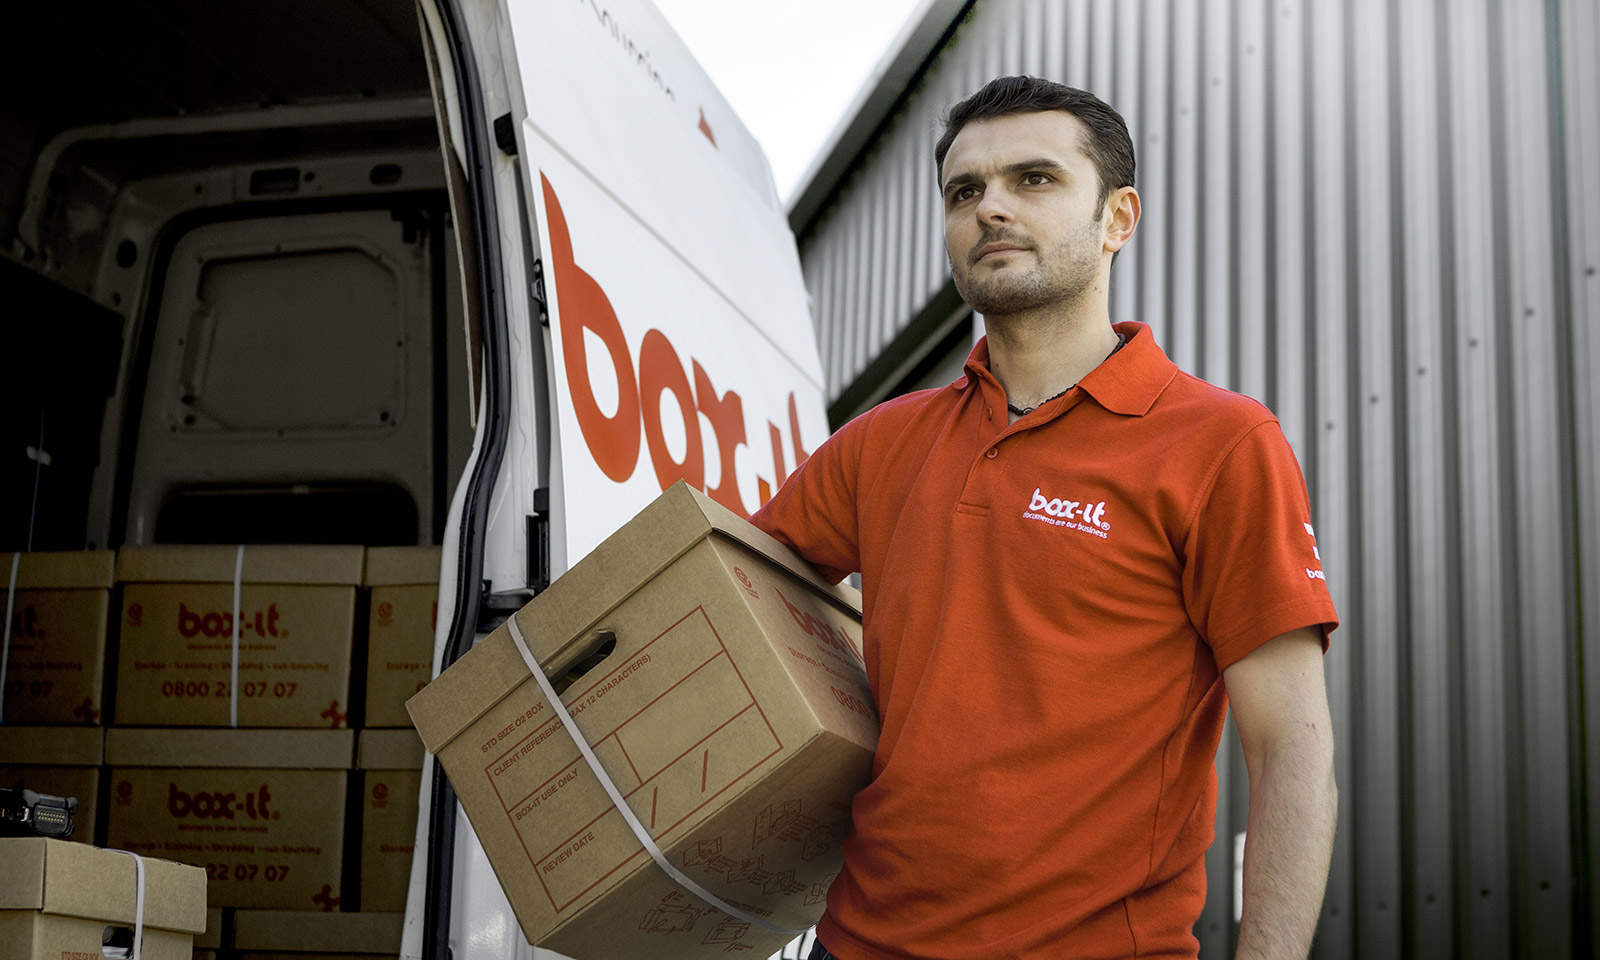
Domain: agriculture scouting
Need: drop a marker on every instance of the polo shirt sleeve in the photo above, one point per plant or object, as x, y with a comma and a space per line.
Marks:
1251, 568
814, 512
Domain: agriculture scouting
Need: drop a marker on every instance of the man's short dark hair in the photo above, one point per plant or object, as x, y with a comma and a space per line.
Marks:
1107, 144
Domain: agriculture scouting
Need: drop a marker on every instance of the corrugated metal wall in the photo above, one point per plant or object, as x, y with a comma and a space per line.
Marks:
1382, 218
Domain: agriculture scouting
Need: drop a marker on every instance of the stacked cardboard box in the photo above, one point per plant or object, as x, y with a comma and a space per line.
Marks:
391, 769
732, 711
209, 942
297, 607
55, 666
281, 935
62, 761
57, 900
404, 610
262, 810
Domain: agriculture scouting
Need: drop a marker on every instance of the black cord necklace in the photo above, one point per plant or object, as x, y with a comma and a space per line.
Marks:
1122, 341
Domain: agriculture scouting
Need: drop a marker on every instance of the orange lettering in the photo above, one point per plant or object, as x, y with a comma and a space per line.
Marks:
613, 440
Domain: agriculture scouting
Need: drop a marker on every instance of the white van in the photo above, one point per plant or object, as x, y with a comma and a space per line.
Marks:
488, 274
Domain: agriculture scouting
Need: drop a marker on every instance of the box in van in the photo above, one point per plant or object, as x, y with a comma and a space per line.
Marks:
391, 774
59, 761
56, 644
263, 811
297, 607
278, 934
63, 900
403, 610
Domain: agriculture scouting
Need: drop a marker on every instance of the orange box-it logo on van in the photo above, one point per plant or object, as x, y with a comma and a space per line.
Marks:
614, 440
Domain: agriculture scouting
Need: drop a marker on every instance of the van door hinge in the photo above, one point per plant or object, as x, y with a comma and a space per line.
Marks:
539, 541
496, 608
536, 290
505, 135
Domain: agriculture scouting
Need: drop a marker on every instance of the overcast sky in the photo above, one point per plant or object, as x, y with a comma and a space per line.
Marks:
790, 69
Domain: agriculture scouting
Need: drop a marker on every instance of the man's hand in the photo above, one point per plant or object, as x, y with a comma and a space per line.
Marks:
1280, 707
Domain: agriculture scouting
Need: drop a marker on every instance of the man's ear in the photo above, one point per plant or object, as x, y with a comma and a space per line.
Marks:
1121, 217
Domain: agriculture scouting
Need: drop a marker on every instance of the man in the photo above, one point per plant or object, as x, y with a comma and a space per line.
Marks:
1072, 560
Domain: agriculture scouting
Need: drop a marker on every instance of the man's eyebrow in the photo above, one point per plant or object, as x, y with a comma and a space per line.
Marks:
1021, 166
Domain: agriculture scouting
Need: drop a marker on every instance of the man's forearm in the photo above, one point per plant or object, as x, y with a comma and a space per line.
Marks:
1293, 810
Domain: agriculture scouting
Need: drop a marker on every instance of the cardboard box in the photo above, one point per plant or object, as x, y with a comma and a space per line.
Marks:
733, 713
55, 670
297, 620
61, 761
259, 934
403, 612
268, 835
391, 765
211, 937
57, 899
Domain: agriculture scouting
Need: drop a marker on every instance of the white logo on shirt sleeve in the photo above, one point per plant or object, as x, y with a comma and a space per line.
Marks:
1314, 574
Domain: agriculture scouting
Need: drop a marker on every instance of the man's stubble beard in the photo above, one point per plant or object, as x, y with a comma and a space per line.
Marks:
1059, 277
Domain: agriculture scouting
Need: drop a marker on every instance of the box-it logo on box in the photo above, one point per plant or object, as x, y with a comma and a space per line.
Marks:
837, 639
25, 624
213, 624
215, 805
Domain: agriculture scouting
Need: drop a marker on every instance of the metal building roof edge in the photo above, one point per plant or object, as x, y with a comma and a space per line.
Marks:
923, 36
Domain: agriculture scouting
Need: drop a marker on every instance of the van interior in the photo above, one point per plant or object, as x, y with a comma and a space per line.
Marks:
232, 300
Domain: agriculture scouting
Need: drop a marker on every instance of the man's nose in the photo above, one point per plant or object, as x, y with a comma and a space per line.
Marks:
994, 207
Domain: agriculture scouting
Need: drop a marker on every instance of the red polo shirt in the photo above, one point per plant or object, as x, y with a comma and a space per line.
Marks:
1048, 608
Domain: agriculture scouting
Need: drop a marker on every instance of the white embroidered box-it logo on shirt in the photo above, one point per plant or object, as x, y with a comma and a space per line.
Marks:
1314, 574
1087, 516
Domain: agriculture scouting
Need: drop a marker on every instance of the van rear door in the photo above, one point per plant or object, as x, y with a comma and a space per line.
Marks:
681, 339
676, 335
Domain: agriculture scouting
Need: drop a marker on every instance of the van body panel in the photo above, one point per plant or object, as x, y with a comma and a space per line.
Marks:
681, 339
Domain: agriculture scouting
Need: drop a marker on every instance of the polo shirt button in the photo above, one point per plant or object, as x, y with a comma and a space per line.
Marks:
993, 452
989, 412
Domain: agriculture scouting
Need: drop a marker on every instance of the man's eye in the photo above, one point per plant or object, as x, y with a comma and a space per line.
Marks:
1035, 179
963, 193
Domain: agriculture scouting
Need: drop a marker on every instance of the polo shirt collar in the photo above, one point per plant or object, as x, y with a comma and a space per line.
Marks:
1127, 383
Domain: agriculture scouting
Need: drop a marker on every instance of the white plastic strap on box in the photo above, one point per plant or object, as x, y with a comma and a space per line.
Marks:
5, 647
138, 903
233, 683
617, 800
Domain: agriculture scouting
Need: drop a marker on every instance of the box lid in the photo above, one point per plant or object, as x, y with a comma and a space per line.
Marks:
64, 570
389, 750
398, 566
265, 563
557, 621
76, 880
298, 931
52, 746
224, 748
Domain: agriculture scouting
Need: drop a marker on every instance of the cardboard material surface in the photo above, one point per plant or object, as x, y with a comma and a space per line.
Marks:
391, 764
56, 667
403, 613
57, 898
211, 937
388, 837
389, 750
733, 713
64, 746
297, 621
285, 931
267, 836
285, 749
